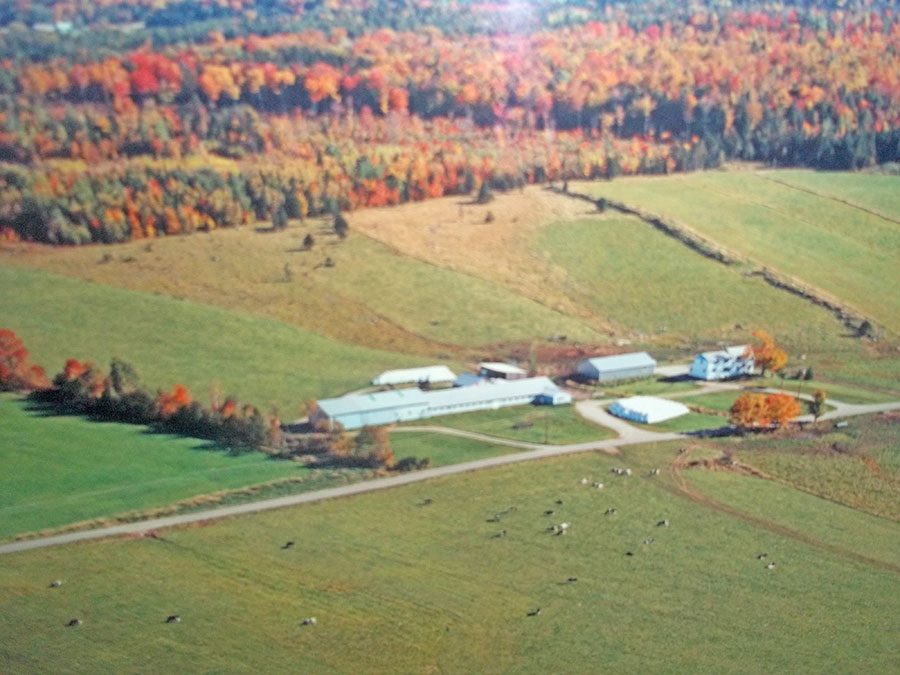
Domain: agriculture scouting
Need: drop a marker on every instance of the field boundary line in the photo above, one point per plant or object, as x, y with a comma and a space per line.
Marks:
845, 202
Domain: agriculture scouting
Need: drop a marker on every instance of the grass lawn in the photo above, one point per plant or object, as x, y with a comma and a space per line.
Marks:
844, 250
720, 400
561, 424
687, 423
651, 387
441, 449
259, 360
60, 470
398, 587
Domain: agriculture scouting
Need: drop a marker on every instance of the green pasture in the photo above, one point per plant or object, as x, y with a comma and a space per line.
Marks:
556, 425
843, 239
55, 470
646, 281
262, 361
398, 586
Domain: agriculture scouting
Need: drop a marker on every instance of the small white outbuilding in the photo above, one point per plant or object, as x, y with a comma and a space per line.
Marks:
431, 374
647, 409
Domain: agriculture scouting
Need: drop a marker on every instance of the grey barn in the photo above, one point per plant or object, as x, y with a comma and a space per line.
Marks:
619, 367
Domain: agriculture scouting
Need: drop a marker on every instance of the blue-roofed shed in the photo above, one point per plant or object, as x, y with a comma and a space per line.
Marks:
619, 367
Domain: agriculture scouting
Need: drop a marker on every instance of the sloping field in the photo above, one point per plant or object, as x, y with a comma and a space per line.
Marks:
822, 229
56, 471
401, 587
640, 278
259, 360
370, 296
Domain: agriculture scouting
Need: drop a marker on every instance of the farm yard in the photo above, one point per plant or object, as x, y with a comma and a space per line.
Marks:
417, 586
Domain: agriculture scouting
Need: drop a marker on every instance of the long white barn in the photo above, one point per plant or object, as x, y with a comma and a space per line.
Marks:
388, 407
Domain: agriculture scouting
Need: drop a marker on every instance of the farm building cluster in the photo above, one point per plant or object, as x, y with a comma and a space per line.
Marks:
491, 389
498, 385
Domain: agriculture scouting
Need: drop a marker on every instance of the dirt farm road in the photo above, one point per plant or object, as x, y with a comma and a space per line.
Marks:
630, 436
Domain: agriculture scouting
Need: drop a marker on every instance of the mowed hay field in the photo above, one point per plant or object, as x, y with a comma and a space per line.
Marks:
56, 471
837, 232
261, 361
400, 587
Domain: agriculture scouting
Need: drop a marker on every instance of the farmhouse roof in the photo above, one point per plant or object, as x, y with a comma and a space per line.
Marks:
727, 353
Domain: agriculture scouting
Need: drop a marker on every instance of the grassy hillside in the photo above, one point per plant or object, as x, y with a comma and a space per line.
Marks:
60, 470
260, 360
370, 296
401, 587
777, 219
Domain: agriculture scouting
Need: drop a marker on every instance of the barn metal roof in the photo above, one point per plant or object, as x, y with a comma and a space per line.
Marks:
499, 367
656, 409
622, 361
409, 375
382, 400
491, 390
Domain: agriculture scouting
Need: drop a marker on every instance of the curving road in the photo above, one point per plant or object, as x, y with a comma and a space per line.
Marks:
592, 410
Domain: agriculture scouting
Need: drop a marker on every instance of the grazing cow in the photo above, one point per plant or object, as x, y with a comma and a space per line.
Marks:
287, 545
584, 481
426, 501
571, 580
649, 540
559, 502
309, 621
610, 511
549, 512
663, 523
500, 534
494, 518
74, 622
599, 486
173, 618
565, 526
56, 583
629, 553
654, 472
762, 556
535, 612
627, 472
770, 566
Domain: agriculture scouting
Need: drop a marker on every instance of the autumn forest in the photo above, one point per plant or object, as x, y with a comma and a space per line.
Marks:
116, 126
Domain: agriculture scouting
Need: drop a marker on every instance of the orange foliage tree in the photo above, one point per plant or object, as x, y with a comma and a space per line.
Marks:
766, 354
16, 371
168, 403
752, 410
